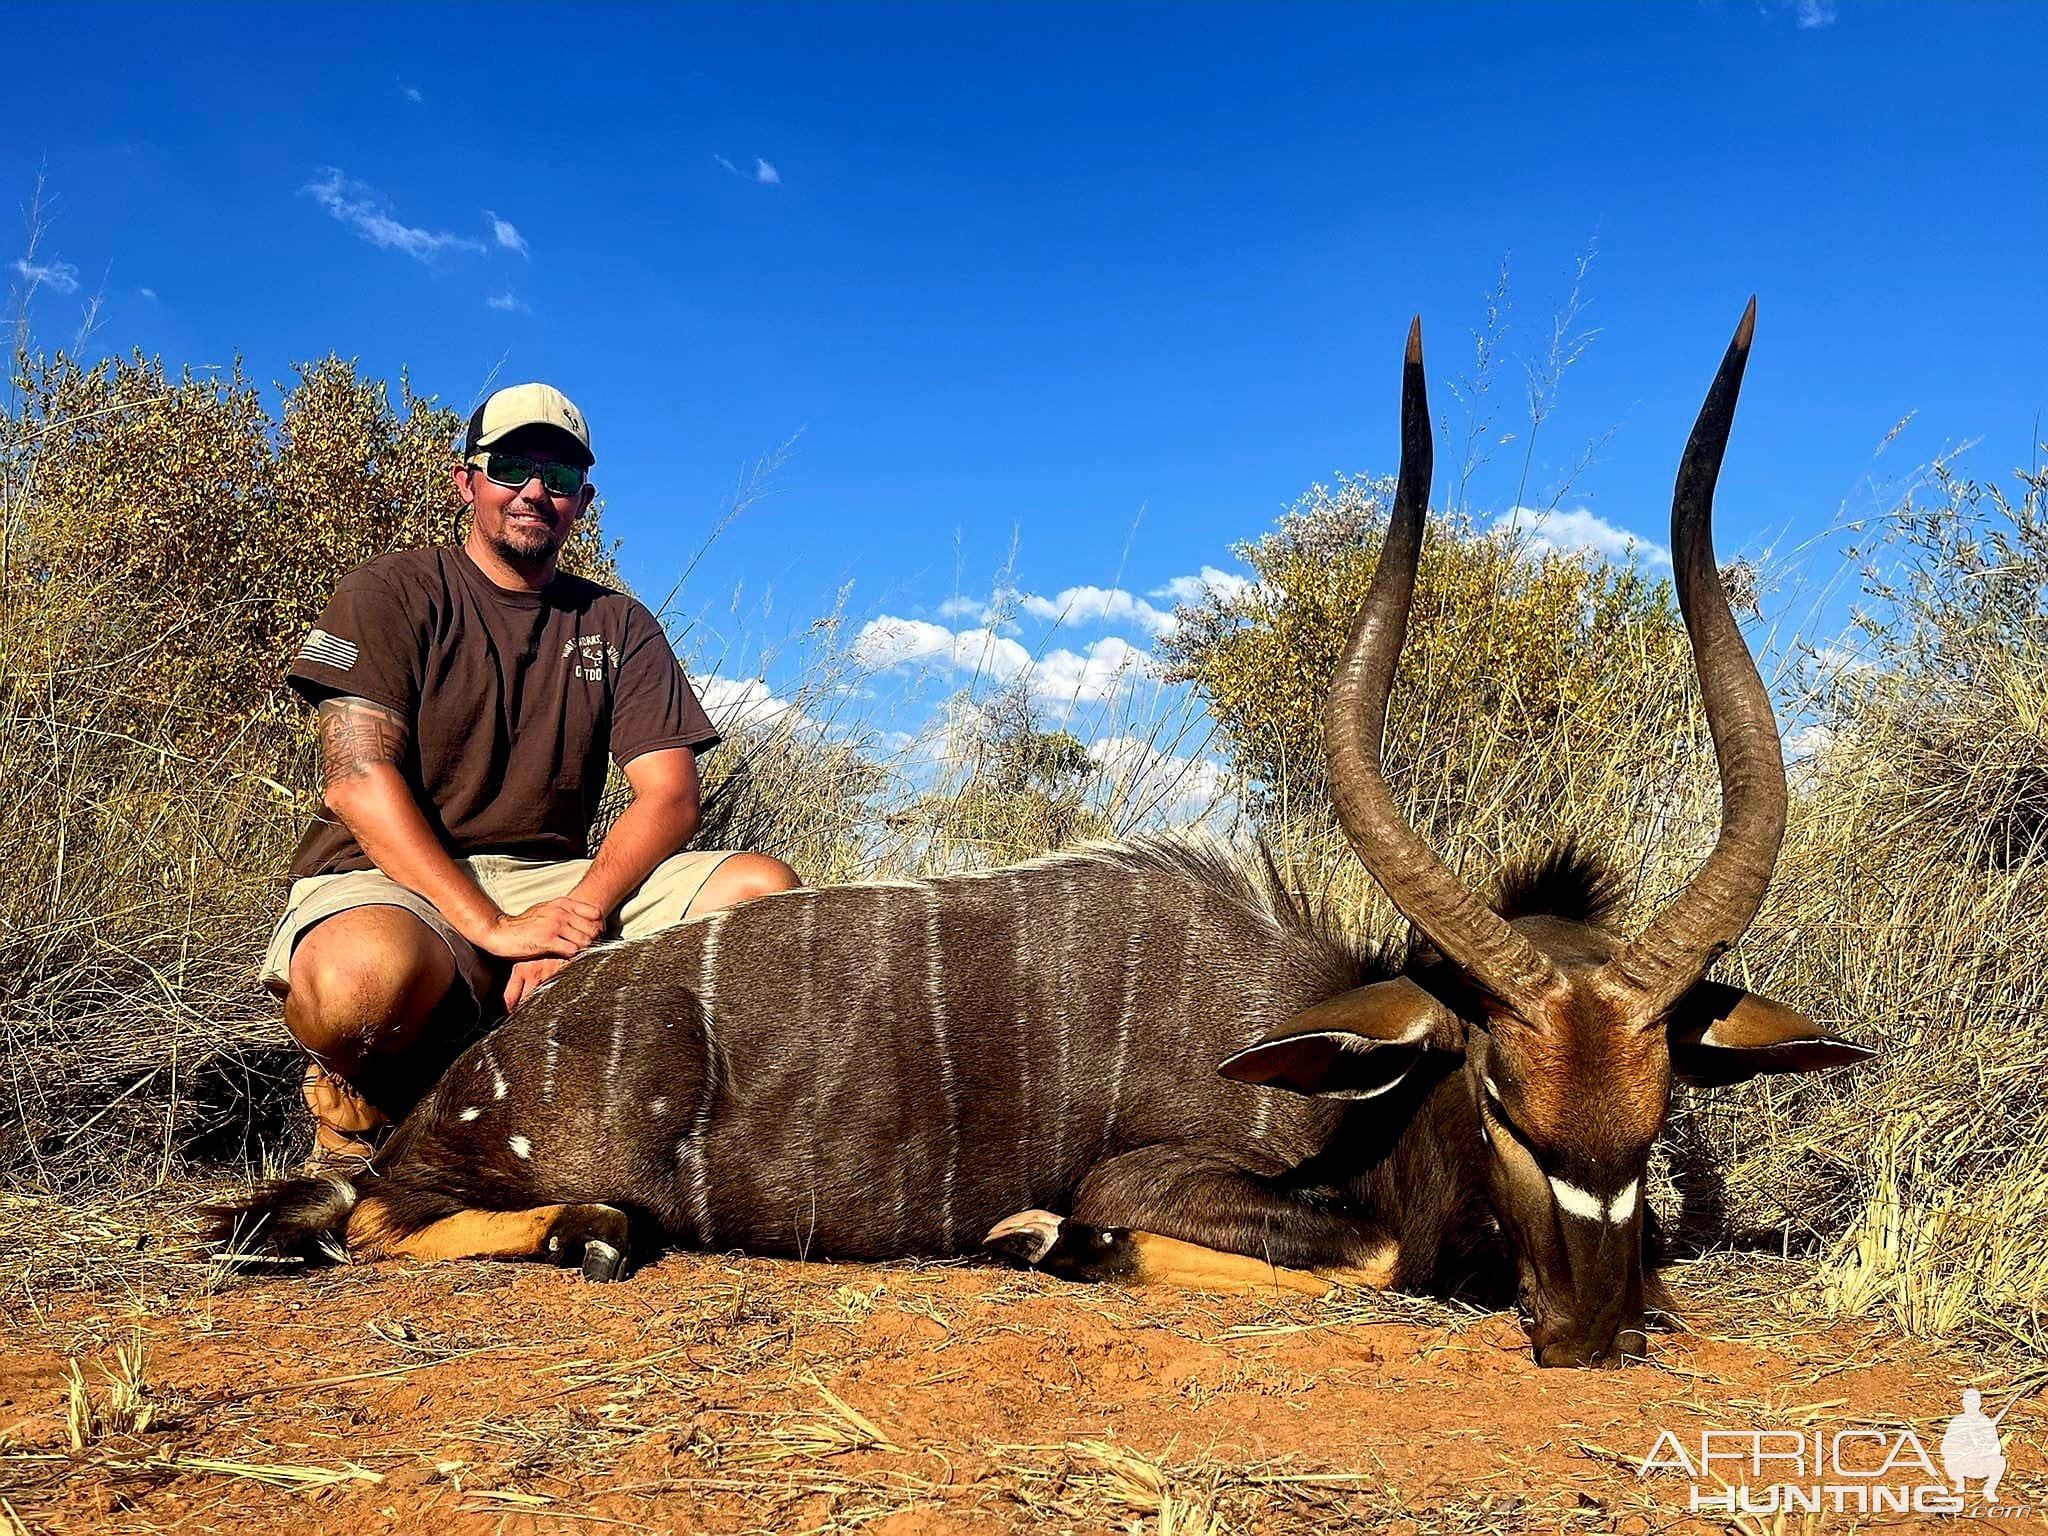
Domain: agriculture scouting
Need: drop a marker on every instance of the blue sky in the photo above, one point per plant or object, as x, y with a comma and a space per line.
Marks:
1023, 271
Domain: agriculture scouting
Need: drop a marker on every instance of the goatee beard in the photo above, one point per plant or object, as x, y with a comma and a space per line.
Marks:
527, 546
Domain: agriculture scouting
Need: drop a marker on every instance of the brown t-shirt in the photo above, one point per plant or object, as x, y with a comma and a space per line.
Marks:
514, 699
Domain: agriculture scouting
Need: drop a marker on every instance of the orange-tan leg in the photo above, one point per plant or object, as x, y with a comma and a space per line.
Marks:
593, 1236
1077, 1251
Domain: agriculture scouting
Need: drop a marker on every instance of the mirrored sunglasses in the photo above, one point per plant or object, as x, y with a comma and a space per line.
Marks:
513, 470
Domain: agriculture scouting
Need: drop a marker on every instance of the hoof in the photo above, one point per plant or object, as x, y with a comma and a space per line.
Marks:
1027, 1236
601, 1261
593, 1239
1072, 1250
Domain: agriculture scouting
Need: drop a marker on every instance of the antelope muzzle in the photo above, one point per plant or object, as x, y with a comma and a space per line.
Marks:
1582, 1290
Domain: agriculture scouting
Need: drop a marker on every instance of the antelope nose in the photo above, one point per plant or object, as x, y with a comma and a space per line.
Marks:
1561, 1341
1579, 1352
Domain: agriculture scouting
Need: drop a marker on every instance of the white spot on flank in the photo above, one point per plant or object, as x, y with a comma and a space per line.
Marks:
657, 1106
521, 1147
1623, 1205
472, 1112
498, 1085
1574, 1201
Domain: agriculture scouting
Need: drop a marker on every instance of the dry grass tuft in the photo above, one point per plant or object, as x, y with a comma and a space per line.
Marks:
124, 1405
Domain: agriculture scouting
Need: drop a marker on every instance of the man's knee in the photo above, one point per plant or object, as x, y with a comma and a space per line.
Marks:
365, 980
742, 877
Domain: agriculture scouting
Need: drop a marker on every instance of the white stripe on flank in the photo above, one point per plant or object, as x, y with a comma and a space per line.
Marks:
1020, 987
611, 1066
1134, 960
700, 1122
881, 940
707, 962
1574, 1201
498, 1084
935, 986
1623, 1205
807, 968
547, 1081
1063, 987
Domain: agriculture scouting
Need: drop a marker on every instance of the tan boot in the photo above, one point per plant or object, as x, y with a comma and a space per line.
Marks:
347, 1128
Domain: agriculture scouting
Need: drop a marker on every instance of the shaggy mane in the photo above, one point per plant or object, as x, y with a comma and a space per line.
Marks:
1566, 881
1253, 879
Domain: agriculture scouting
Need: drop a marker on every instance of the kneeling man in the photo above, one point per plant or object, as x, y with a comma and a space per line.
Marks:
469, 699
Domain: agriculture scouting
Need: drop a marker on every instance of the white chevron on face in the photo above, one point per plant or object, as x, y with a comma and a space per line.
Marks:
1586, 1205
1574, 1201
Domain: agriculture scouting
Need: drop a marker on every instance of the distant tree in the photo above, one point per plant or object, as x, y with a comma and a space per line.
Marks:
1509, 649
1022, 787
169, 541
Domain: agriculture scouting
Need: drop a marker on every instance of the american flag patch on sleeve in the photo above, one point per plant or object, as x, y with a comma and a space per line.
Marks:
329, 650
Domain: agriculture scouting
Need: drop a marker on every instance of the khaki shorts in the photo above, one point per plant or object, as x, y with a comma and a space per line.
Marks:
662, 901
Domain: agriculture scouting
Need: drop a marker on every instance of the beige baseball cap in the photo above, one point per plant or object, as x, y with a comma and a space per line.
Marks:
527, 405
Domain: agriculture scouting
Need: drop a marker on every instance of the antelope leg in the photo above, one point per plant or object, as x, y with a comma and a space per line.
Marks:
1075, 1250
593, 1238
1203, 1198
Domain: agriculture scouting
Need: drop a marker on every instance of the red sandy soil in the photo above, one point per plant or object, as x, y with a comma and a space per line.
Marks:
705, 1393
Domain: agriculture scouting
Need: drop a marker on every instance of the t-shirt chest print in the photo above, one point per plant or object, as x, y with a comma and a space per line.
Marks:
589, 656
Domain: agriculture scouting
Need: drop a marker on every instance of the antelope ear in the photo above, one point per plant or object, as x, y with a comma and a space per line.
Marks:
1355, 1046
1722, 1034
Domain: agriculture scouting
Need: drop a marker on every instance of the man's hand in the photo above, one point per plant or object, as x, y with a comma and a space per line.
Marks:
527, 977
562, 927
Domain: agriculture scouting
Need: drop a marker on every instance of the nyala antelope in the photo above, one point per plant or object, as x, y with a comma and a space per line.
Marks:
1026, 1060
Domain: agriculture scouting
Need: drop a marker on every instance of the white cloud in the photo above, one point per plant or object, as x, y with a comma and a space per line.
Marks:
510, 302
1097, 605
762, 172
1580, 529
411, 93
1813, 14
1089, 676
1191, 589
1158, 786
58, 275
1841, 659
1092, 676
368, 212
894, 642
148, 293
1806, 743
506, 233
963, 608
736, 702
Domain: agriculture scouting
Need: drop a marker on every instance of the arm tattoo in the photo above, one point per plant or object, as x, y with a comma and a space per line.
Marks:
355, 735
